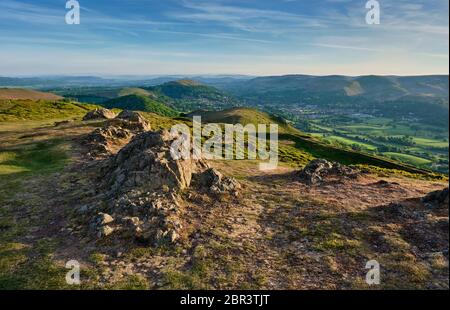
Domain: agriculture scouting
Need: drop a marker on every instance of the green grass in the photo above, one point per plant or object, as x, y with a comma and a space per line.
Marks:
429, 152
20, 110
430, 143
243, 116
32, 268
140, 103
348, 141
413, 160
40, 157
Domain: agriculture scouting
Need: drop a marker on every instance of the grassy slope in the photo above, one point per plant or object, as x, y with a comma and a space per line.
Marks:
133, 91
140, 103
302, 142
242, 116
305, 147
20, 110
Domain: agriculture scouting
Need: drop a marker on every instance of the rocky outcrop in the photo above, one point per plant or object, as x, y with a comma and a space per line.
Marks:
115, 133
100, 225
99, 114
131, 116
214, 182
436, 199
146, 163
142, 183
318, 169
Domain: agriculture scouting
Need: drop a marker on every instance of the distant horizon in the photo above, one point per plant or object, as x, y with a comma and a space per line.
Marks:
181, 76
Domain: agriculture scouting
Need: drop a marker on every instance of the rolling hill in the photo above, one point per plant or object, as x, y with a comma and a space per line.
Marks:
140, 103
378, 88
422, 97
189, 95
242, 116
20, 93
183, 95
288, 135
20, 110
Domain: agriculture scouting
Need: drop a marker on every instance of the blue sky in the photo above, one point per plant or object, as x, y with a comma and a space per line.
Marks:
255, 37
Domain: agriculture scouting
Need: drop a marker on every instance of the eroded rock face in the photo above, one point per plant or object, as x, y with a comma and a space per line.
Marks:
146, 163
99, 114
115, 133
141, 183
131, 116
318, 169
100, 225
214, 182
102, 141
142, 186
437, 199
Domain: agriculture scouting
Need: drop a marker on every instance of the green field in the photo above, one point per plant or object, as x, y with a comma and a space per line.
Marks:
410, 142
430, 142
413, 160
347, 141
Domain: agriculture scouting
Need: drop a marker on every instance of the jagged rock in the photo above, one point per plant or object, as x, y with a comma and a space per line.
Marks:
105, 231
437, 199
103, 219
141, 183
216, 183
131, 221
99, 114
100, 224
131, 116
146, 163
115, 132
131, 226
315, 171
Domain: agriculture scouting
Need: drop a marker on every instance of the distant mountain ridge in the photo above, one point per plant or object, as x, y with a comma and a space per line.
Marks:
422, 97
379, 87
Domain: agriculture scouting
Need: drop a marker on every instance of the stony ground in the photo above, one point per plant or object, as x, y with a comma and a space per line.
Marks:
278, 233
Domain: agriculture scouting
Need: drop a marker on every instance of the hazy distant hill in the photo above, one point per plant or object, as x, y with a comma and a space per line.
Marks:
377, 88
19, 93
423, 97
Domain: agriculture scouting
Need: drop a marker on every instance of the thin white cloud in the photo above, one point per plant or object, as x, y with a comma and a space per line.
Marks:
347, 47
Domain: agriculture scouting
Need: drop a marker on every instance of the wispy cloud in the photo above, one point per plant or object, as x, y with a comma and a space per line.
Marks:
346, 47
270, 36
